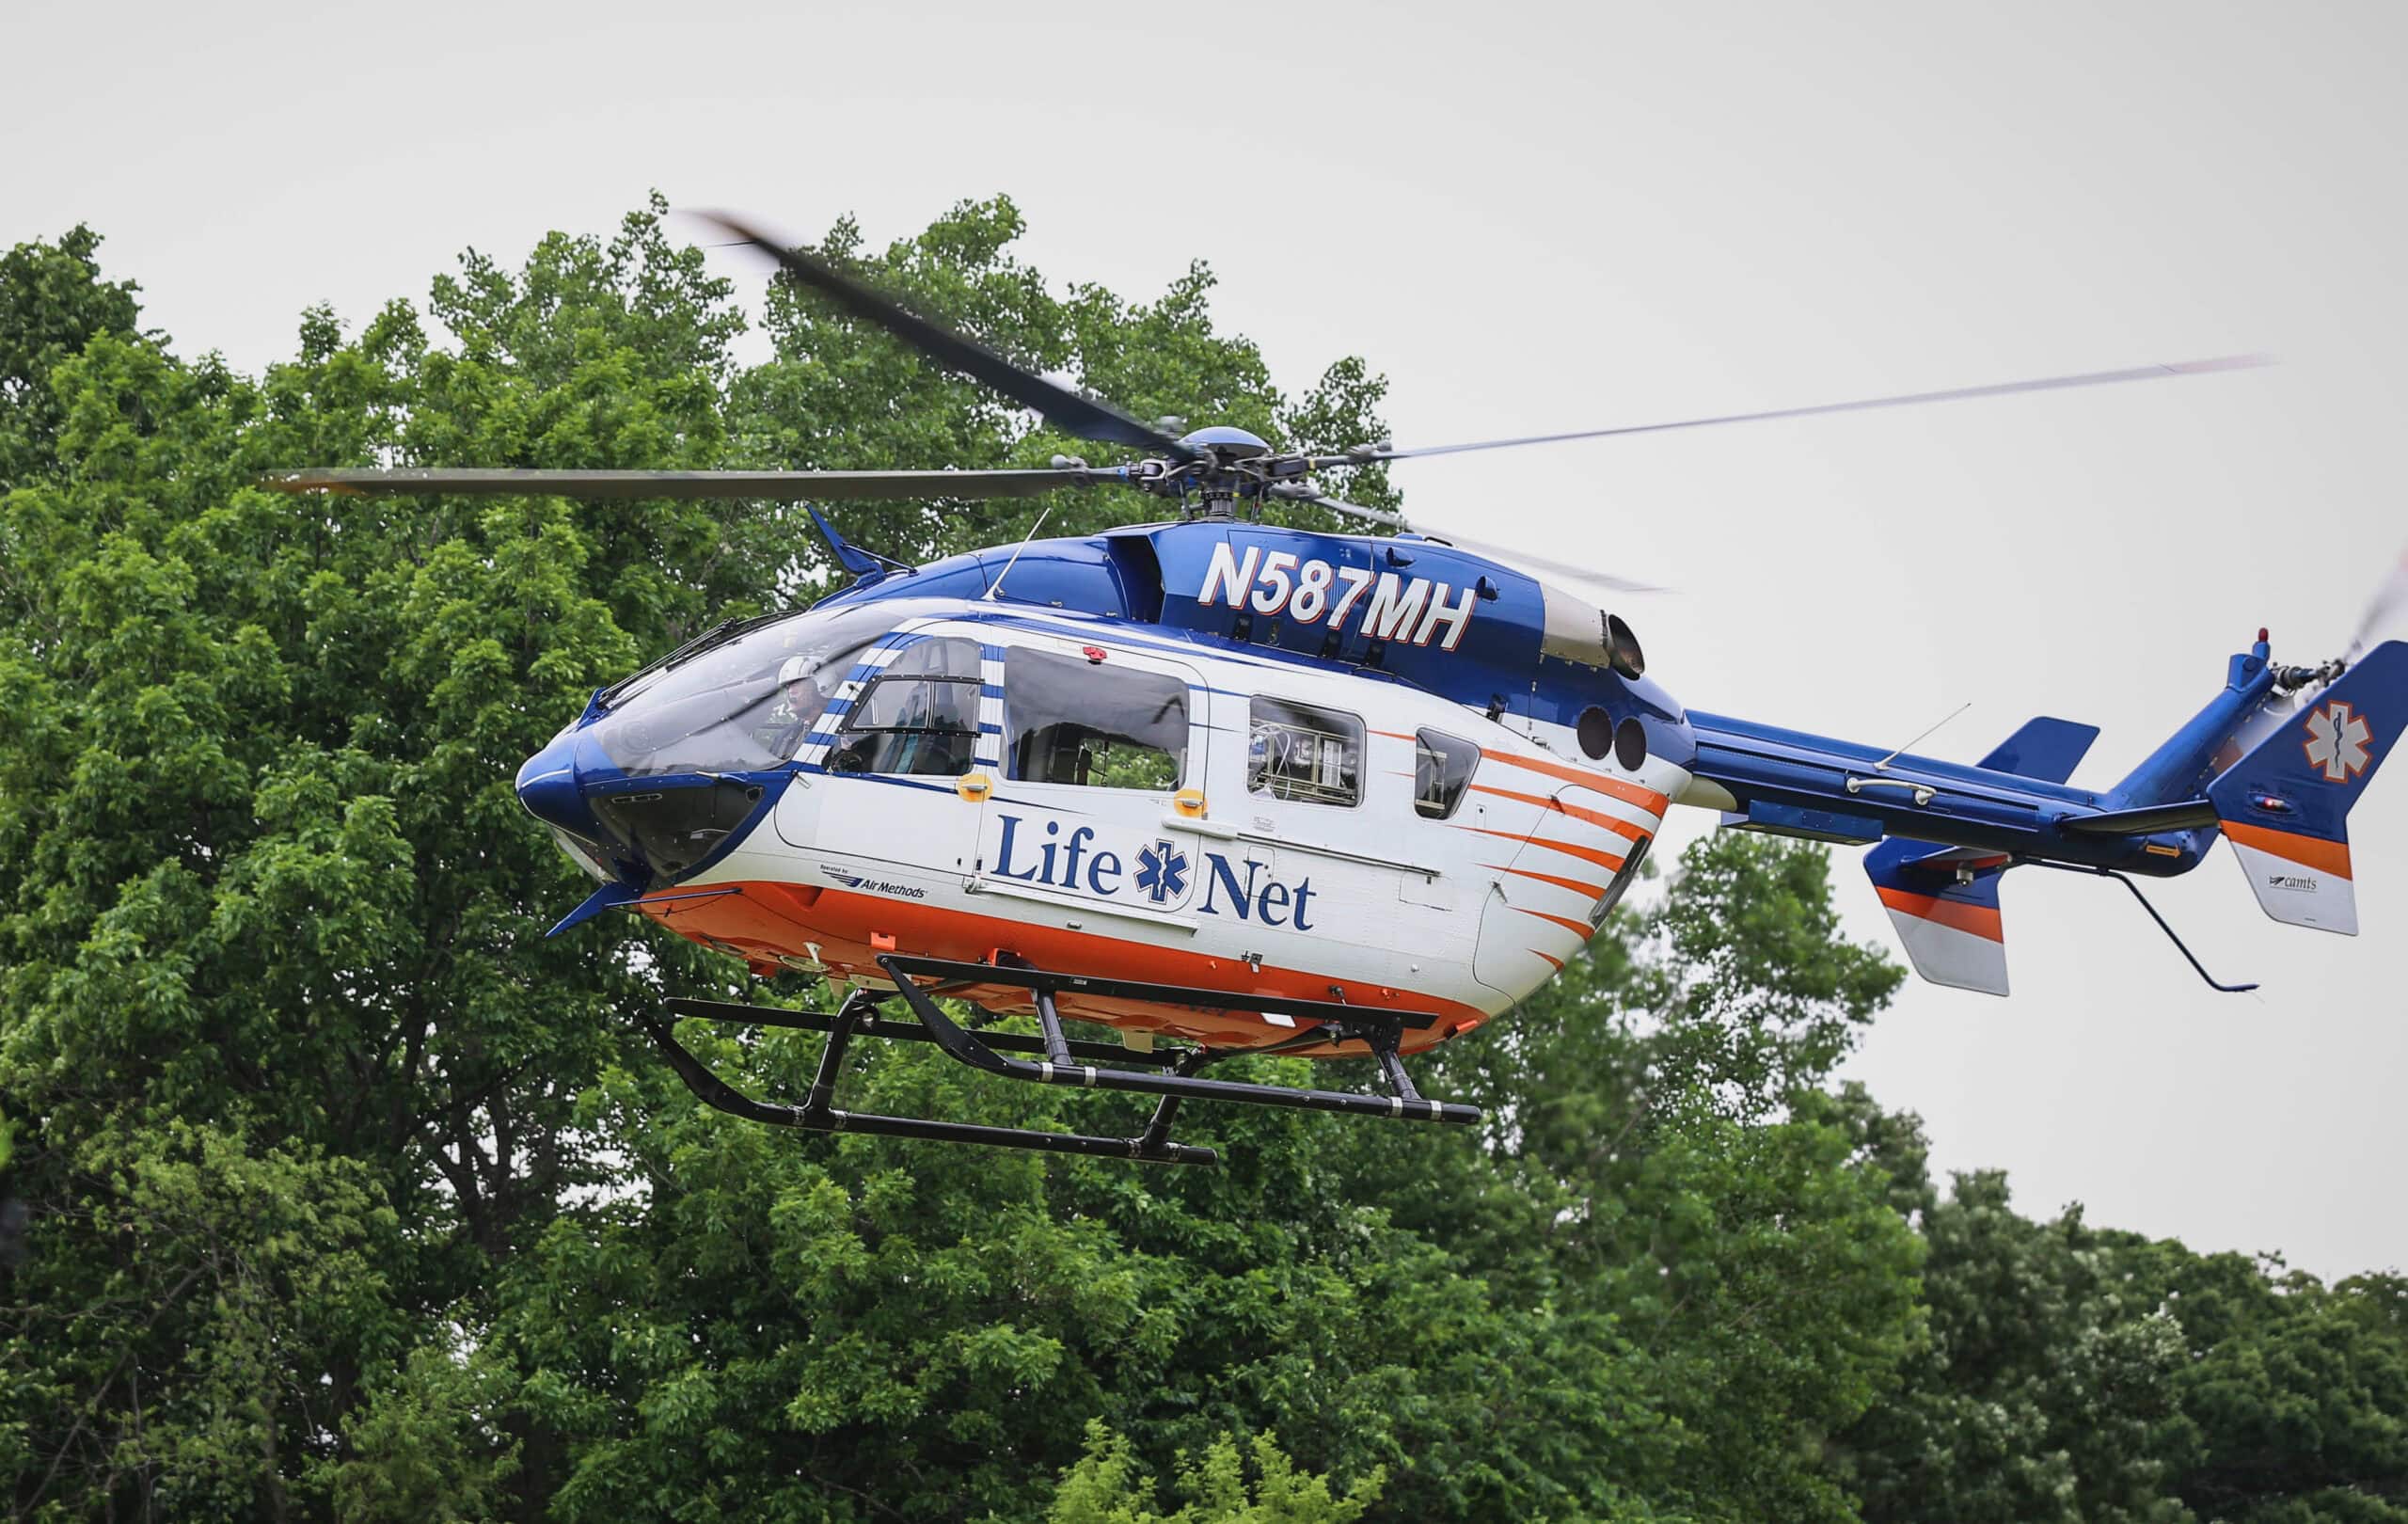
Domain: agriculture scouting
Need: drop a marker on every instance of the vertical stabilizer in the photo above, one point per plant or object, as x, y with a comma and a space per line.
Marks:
1944, 900
1944, 903
2284, 805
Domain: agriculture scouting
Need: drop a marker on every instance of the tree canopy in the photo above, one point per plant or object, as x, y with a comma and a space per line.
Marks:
344, 1192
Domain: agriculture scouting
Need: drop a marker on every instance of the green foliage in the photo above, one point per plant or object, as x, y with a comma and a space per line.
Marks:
1109, 1485
53, 303
424, 1443
352, 1196
2079, 1374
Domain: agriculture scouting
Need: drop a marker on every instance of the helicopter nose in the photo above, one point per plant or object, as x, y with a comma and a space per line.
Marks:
549, 786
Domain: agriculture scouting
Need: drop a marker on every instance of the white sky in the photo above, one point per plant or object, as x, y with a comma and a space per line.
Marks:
1547, 217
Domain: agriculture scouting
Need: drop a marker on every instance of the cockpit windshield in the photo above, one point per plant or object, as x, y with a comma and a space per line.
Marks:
745, 705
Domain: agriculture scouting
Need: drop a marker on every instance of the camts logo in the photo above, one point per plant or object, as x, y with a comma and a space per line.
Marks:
1413, 609
2336, 741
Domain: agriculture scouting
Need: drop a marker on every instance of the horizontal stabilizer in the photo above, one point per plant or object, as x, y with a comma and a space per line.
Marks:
2188, 814
2045, 749
2285, 806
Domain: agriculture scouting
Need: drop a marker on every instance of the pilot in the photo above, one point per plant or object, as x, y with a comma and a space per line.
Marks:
806, 683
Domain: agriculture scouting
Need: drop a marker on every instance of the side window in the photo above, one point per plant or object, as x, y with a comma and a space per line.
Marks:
1069, 721
920, 716
1442, 770
1300, 752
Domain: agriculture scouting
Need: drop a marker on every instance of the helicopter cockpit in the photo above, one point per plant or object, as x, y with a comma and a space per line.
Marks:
672, 762
743, 704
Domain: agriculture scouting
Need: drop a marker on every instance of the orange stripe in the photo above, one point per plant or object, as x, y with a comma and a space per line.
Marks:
2307, 851
1629, 793
1981, 920
1549, 957
1587, 891
1596, 818
1586, 854
770, 918
1581, 929
1396, 734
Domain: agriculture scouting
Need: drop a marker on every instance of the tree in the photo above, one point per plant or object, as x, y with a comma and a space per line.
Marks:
1109, 1486
352, 1195
53, 303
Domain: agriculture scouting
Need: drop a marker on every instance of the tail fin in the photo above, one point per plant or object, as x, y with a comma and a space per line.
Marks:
1944, 900
2284, 805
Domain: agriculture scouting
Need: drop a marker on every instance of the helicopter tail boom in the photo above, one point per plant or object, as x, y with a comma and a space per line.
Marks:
2273, 775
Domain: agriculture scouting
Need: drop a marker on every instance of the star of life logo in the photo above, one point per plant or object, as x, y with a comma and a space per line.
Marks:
1162, 871
2336, 742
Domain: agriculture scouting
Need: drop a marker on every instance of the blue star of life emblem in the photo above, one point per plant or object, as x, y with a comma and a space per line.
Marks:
1162, 871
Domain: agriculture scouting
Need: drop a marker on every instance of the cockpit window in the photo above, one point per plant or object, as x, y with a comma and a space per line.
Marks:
745, 705
921, 715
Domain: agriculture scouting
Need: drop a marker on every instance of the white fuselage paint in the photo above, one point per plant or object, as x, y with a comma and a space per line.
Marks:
1371, 901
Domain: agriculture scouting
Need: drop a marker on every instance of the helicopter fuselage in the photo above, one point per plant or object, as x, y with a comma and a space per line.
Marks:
991, 780
1210, 754
1242, 758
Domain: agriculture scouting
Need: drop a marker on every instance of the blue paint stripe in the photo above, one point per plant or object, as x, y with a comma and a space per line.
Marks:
901, 781
1054, 806
1120, 635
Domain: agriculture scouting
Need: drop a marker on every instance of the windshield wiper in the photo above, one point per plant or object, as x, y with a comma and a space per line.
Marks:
709, 640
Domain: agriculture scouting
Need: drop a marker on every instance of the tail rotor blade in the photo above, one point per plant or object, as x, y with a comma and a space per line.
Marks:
2390, 599
1067, 410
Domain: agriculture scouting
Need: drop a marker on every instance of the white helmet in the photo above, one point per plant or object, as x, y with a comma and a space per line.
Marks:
795, 669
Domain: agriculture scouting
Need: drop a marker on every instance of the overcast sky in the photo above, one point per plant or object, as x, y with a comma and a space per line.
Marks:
1553, 218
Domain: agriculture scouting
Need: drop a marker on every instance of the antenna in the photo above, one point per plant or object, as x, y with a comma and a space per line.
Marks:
996, 590
1883, 764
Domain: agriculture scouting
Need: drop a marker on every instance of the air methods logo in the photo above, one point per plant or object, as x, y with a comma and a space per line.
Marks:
2336, 741
1162, 872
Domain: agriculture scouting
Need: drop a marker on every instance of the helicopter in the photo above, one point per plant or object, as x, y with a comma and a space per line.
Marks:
1226, 786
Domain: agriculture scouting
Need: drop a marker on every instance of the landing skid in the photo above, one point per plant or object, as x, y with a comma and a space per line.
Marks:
1169, 1075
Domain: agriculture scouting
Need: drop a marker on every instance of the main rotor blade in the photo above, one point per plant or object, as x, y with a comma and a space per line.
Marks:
779, 487
2002, 389
1057, 405
1596, 585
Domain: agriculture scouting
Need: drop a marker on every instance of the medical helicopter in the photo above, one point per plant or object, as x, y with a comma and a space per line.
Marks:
1230, 787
